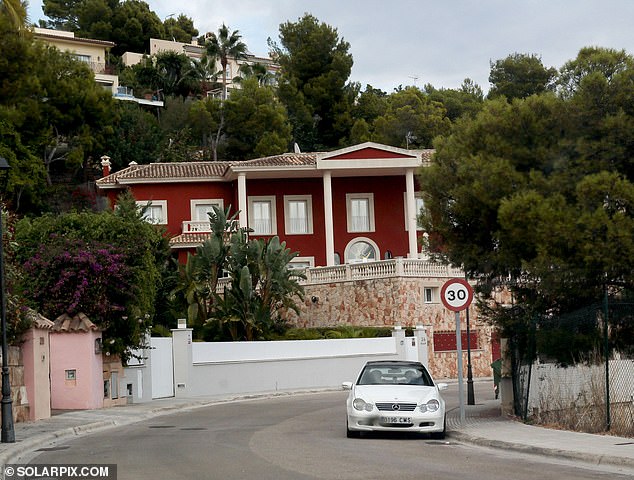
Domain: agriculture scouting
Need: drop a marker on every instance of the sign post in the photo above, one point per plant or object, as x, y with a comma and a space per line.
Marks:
456, 295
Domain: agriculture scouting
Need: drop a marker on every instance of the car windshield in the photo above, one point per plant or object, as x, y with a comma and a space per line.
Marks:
395, 374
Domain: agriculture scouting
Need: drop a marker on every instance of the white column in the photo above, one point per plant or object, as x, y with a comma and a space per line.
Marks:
423, 347
398, 334
328, 223
182, 358
411, 213
242, 200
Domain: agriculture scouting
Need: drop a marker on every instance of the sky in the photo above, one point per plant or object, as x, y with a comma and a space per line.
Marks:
417, 42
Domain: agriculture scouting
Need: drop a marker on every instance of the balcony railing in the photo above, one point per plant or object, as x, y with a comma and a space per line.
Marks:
396, 267
196, 227
100, 67
199, 226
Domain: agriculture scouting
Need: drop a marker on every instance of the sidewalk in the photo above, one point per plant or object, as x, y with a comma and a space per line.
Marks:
483, 426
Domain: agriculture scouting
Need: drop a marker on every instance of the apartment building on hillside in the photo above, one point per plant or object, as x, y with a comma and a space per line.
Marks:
95, 54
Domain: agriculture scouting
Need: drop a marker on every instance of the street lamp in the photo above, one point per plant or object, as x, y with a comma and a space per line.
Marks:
7, 433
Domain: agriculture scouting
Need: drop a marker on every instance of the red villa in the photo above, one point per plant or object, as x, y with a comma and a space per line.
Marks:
345, 206
351, 215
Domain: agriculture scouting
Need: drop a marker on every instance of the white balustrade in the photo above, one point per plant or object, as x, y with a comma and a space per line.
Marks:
196, 227
397, 267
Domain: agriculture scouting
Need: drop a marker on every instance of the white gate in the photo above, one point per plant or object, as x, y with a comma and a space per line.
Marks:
411, 349
162, 367
416, 348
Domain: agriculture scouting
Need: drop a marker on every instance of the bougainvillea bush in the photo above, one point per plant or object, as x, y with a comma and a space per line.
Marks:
74, 276
108, 265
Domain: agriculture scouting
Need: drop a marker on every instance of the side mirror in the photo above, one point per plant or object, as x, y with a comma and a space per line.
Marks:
346, 385
442, 386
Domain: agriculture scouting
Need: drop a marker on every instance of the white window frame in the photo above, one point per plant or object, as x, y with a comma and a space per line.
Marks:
303, 260
360, 196
155, 203
308, 199
82, 57
432, 295
203, 201
418, 196
251, 219
351, 243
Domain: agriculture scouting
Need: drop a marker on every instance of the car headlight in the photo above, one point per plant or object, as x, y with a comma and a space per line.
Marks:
360, 404
432, 406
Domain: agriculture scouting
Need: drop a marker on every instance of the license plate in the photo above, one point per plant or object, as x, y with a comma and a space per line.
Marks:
396, 420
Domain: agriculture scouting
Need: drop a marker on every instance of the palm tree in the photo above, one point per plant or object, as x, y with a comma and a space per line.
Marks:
15, 11
255, 70
224, 46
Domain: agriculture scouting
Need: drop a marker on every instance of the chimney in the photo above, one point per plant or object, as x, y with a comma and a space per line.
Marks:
105, 165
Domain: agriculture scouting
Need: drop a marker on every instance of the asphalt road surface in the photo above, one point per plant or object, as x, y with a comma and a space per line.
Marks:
295, 438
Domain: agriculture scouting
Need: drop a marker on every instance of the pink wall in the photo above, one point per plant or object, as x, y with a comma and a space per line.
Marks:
35, 354
76, 351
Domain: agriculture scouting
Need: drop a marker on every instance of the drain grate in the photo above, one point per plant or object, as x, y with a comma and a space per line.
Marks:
162, 426
193, 428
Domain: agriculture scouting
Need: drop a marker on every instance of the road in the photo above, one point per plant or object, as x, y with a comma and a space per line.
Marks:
296, 437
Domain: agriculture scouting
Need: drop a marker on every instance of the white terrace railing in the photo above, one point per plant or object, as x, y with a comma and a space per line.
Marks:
396, 267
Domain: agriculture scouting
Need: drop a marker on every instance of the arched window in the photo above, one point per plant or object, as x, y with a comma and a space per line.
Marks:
361, 250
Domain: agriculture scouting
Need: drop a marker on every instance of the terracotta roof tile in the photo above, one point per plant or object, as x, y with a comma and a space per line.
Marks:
78, 323
65, 38
158, 171
193, 171
284, 160
187, 240
427, 155
38, 320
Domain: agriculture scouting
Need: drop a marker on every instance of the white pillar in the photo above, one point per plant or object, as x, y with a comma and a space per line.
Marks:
182, 358
242, 200
411, 213
398, 334
328, 222
423, 347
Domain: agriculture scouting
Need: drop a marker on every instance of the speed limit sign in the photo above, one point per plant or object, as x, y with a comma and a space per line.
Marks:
456, 294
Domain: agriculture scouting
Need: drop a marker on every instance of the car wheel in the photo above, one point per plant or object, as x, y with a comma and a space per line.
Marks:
441, 435
351, 433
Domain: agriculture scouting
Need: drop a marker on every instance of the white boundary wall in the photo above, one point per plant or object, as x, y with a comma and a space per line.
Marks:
244, 368
224, 352
256, 367
239, 368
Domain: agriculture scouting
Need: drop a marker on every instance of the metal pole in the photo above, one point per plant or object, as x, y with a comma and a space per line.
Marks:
8, 432
470, 392
460, 382
606, 339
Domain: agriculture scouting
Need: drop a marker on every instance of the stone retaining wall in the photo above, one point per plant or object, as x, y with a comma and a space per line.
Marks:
20, 406
388, 302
